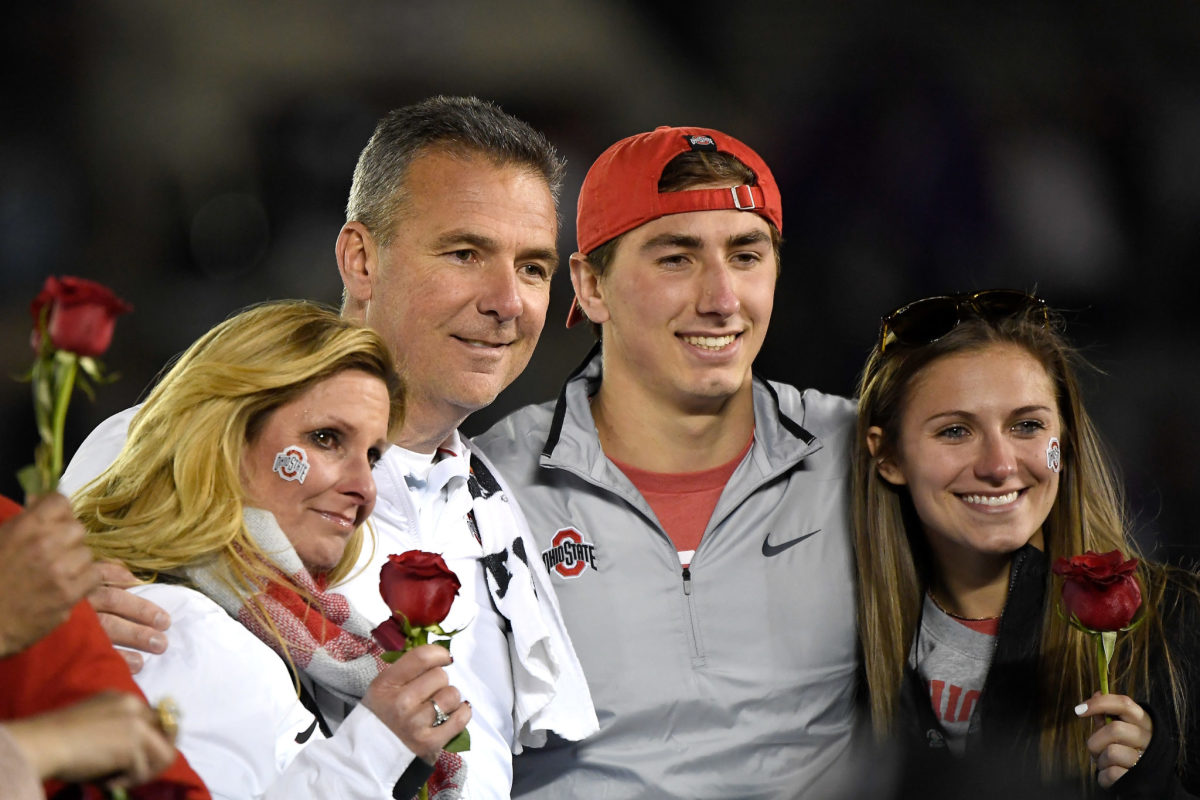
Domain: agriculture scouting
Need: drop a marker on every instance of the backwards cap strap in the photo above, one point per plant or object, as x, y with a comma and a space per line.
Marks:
740, 198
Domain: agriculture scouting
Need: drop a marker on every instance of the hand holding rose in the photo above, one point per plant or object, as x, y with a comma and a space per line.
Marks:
1118, 744
45, 569
400, 696
1101, 597
429, 715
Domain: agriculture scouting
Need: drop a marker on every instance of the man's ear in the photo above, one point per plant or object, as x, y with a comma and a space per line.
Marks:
587, 289
358, 264
885, 466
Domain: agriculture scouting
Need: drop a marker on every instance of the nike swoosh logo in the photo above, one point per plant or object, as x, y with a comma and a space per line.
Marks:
305, 735
769, 549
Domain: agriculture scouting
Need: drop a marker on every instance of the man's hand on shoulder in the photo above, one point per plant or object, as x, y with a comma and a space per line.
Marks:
130, 621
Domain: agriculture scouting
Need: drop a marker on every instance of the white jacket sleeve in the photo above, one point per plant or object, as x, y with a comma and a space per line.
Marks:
363, 759
98, 451
242, 726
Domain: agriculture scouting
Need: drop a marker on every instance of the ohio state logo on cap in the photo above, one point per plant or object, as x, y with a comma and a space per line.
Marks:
568, 554
702, 142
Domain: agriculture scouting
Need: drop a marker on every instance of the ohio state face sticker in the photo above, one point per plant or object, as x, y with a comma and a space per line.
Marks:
291, 463
568, 554
1053, 455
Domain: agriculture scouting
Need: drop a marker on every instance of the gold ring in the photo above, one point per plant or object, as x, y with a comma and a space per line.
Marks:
168, 717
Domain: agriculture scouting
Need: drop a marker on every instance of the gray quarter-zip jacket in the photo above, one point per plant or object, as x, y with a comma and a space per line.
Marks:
734, 678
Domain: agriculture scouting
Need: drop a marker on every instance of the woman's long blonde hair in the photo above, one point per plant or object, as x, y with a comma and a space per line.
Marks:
173, 497
894, 566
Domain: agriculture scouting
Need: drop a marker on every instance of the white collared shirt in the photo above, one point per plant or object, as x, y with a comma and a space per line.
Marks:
412, 514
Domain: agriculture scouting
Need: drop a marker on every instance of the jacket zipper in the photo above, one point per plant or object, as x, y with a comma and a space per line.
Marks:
973, 741
693, 630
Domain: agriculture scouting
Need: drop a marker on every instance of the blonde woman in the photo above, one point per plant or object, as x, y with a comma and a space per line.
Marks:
976, 466
240, 495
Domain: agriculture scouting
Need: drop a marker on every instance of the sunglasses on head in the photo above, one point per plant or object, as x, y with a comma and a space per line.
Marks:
927, 320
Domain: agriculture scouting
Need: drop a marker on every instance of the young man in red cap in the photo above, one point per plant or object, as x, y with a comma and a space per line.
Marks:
693, 517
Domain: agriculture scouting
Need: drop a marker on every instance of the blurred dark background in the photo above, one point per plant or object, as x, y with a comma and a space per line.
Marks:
196, 157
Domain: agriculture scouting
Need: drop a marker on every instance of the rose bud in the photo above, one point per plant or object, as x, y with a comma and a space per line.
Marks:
1100, 590
81, 315
418, 586
389, 635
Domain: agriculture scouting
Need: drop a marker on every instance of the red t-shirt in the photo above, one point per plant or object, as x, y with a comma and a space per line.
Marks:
72, 662
989, 626
684, 501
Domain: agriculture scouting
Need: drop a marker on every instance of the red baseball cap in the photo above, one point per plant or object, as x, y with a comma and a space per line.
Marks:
620, 191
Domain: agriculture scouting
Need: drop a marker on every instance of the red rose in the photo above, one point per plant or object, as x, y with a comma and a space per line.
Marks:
390, 636
81, 315
1099, 589
418, 586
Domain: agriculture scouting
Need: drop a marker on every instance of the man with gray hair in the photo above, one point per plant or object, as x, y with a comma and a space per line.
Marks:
447, 251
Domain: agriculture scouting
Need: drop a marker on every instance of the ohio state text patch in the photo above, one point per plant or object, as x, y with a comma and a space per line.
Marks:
569, 554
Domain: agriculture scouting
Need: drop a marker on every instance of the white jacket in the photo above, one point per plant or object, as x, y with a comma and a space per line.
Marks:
242, 727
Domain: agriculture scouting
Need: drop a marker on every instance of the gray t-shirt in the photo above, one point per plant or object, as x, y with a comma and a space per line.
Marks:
952, 660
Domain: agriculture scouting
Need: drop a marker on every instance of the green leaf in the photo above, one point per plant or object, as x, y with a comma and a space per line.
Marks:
45, 433
92, 367
86, 387
1141, 617
43, 395
64, 364
390, 656
1108, 641
30, 478
443, 643
41, 459
460, 743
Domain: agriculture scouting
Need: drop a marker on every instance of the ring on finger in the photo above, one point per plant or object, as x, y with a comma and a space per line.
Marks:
440, 716
168, 717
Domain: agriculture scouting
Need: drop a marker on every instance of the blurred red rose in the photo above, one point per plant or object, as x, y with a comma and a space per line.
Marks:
418, 586
1099, 589
81, 315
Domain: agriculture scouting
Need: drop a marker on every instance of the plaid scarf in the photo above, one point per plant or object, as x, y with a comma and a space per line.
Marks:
325, 637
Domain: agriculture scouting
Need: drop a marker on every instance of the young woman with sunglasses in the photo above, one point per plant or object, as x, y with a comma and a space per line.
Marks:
976, 466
